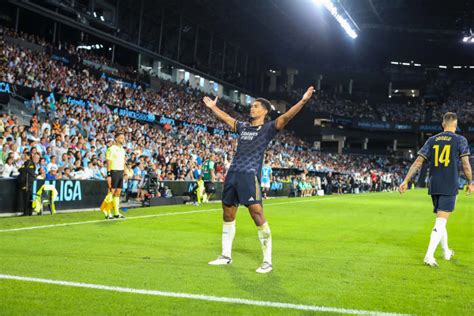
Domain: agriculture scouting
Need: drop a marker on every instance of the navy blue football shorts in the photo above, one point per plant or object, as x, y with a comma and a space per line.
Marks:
445, 203
241, 188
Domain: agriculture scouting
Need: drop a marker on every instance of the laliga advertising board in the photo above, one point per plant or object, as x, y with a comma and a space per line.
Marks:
75, 194
5, 87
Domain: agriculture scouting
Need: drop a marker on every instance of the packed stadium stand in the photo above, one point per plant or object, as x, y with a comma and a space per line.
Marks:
71, 141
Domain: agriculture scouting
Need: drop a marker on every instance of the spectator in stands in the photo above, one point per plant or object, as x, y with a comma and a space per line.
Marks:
9, 169
52, 164
67, 174
53, 174
42, 174
2, 126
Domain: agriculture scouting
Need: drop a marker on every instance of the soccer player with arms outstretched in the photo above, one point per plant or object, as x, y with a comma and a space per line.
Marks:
442, 151
242, 183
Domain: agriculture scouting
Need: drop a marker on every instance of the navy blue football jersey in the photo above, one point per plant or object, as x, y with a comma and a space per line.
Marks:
442, 151
253, 140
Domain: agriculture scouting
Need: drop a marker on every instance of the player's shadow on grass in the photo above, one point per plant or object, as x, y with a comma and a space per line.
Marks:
255, 283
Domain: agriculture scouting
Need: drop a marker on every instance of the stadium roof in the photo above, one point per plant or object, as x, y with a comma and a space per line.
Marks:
299, 33
424, 30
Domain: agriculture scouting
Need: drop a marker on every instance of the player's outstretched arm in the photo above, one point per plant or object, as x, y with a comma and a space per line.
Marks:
283, 119
413, 170
221, 115
466, 167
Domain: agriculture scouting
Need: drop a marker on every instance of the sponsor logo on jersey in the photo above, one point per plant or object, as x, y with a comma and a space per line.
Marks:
247, 135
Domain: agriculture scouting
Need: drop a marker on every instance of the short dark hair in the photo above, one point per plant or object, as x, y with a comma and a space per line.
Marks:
449, 117
267, 104
117, 134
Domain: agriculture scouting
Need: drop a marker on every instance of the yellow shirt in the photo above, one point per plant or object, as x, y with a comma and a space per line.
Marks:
116, 157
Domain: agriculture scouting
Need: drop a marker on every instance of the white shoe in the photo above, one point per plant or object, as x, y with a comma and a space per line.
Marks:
264, 268
449, 254
222, 260
431, 262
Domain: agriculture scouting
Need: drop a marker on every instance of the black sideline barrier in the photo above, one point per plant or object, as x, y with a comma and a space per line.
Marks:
72, 194
84, 194
156, 201
184, 188
8, 195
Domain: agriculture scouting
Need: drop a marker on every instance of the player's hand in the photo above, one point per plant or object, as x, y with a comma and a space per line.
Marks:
470, 189
308, 94
403, 187
209, 102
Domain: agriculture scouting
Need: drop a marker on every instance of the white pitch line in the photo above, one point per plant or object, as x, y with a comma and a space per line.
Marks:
155, 215
200, 297
106, 221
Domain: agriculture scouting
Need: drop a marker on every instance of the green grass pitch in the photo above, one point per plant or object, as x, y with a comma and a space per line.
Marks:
361, 252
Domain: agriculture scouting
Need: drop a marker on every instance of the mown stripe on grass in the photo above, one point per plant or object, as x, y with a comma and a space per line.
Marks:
202, 297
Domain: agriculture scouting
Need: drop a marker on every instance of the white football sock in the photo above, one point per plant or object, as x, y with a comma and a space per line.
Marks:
265, 236
228, 234
436, 234
444, 241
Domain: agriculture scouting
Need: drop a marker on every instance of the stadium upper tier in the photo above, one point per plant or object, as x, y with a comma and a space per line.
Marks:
455, 96
39, 71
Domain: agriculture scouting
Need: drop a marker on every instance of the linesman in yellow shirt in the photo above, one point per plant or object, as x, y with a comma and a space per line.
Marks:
115, 157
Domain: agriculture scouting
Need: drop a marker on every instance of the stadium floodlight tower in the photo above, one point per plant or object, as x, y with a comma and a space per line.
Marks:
469, 38
341, 15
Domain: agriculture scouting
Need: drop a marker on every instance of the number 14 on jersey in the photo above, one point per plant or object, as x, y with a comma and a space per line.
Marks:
442, 158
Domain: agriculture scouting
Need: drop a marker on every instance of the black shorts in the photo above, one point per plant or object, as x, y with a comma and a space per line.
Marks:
445, 203
241, 188
209, 187
117, 179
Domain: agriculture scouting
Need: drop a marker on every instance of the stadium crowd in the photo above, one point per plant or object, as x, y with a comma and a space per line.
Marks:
451, 96
460, 99
332, 103
336, 104
70, 141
